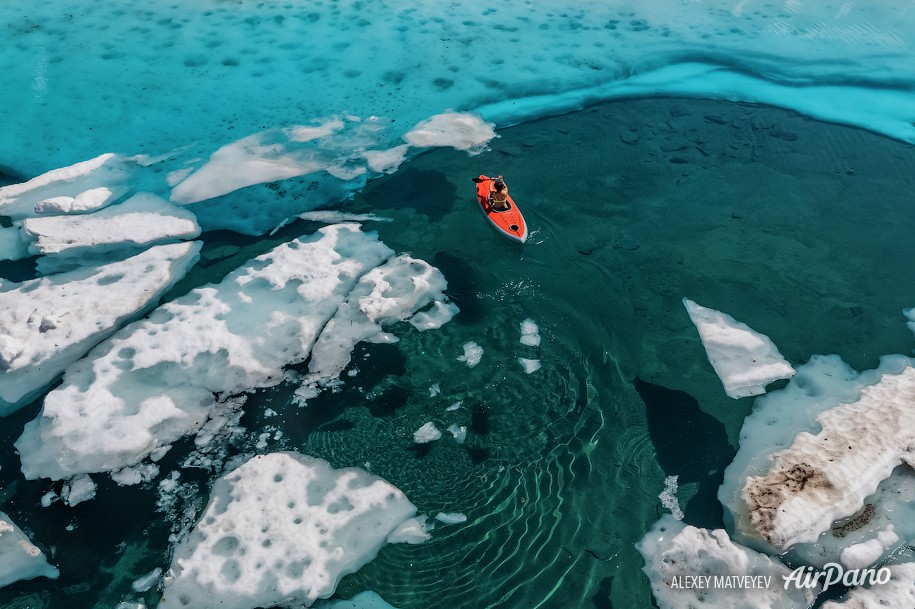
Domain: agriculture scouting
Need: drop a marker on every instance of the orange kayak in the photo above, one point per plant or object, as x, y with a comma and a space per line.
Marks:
510, 222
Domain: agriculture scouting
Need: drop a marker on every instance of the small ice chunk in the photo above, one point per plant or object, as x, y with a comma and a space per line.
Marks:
89, 200
427, 433
434, 390
459, 432
668, 497
48, 498
147, 581
12, 246
282, 529
130, 476
866, 553
455, 406
129, 605
529, 365
412, 531
386, 161
19, 557
455, 129
745, 360
79, 489
451, 517
335, 217
530, 333
473, 353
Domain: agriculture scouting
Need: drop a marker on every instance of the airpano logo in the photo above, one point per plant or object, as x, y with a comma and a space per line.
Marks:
834, 573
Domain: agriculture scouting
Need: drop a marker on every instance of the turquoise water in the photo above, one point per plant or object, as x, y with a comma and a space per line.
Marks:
796, 227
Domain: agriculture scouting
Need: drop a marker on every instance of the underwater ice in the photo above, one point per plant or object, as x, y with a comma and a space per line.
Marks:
672, 549
46, 324
19, 557
162, 378
142, 220
745, 360
282, 529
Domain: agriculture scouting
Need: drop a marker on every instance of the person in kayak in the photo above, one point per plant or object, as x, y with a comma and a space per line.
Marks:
498, 198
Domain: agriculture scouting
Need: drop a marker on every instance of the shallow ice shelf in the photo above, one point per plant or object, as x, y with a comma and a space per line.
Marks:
46, 324
282, 529
745, 360
161, 378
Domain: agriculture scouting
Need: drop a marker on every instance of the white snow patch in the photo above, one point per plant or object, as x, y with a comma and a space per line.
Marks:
898, 593
745, 360
283, 529
48, 323
473, 353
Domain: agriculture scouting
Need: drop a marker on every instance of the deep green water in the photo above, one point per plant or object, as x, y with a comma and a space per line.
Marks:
800, 229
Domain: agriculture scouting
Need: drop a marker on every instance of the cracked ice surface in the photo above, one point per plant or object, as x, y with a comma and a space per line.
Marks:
161, 378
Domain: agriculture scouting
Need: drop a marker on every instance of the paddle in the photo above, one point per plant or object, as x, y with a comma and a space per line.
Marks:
478, 180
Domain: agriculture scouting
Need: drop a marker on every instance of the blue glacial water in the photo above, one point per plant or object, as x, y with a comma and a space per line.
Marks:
709, 177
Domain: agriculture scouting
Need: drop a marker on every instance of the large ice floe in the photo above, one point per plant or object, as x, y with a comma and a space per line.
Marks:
898, 592
48, 323
692, 567
282, 529
19, 557
745, 360
825, 448
161, 378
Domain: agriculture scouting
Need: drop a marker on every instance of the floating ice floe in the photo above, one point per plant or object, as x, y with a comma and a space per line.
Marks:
866, 553
437, 316
823, 383
529, 365
388, 293
676, 553
530, 333
336, 217
473, 353
48, 323
745, 360
427, 433
161, 378
142, 220
19, 557
82, 187
457, 130
451, 517
897, 593
823, 477
79, 489
282, 529
458, 432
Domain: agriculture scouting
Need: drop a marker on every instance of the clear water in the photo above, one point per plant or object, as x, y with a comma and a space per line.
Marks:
797, 227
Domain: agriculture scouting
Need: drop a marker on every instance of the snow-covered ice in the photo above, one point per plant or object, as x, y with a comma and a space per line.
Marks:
46, 324
282, 529
745, 360
19, 557
144, 219
823, 477
163, 377
673, 550
897, 593
80, 187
